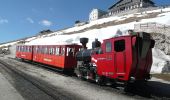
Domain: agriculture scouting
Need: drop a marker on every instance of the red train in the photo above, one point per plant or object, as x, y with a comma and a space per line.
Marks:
123, 59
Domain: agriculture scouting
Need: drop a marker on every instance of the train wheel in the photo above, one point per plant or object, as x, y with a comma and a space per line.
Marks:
128, 87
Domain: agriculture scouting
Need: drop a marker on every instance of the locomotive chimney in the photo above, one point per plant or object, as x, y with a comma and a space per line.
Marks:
84, 41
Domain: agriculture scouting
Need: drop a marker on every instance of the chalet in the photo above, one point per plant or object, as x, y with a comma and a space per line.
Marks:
123, 5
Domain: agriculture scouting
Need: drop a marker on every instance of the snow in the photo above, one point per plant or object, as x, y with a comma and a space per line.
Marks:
58, 37
159, 61
161, 18
101, 34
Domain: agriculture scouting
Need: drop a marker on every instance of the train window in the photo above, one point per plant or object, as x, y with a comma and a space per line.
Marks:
30, 49
26, 49
62, 51
51, 51
108, 46
17, 48
70, 51
45, 50
119, 45
36, 49
41, 50
22, 49
57, 51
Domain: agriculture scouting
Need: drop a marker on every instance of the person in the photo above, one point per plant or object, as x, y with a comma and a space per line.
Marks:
131, 32
70, 53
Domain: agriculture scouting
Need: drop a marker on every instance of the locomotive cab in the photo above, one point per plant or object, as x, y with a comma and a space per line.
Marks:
125, 58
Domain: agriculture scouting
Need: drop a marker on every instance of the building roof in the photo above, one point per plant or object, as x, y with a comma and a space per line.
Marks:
150, 1
115, 4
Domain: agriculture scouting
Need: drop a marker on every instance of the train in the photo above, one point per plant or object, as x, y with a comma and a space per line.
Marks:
122, 59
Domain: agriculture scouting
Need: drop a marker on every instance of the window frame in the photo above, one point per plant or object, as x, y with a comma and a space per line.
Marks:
121, 44
108, 50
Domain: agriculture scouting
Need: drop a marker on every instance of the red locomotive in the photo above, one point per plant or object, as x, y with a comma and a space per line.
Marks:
122, 59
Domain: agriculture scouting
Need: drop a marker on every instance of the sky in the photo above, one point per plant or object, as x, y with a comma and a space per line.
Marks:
25, 18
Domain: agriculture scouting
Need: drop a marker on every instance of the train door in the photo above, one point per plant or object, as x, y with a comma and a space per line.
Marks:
70, 56
105, 61
120, 58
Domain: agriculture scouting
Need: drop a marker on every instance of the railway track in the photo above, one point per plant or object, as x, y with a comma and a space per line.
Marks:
50, 92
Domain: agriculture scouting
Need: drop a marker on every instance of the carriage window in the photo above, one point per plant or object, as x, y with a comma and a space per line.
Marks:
62, 51
119, 45
25, 49
36, 49
45, 50
108, 47
70, 51
57, 51
22, 49
51, 51
17, 48
41, 51
29, 49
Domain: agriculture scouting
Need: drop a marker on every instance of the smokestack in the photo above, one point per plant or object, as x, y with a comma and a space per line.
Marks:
84, 41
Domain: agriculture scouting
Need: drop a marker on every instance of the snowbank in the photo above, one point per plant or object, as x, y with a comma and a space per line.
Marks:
160, 61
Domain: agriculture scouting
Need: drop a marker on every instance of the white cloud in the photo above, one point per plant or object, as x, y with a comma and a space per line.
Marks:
46, 23
30, 20
3, 21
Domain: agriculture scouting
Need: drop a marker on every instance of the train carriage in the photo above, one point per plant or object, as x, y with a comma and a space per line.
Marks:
58, 56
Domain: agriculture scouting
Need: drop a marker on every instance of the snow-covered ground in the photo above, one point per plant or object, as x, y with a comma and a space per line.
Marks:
159, 58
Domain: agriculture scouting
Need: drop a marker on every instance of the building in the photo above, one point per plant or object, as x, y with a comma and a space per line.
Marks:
96, 14
123, 5
79, 23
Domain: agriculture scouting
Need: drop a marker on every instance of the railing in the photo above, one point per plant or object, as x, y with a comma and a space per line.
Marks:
153, 27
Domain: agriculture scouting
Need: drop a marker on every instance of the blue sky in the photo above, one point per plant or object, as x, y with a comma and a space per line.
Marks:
24, 18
